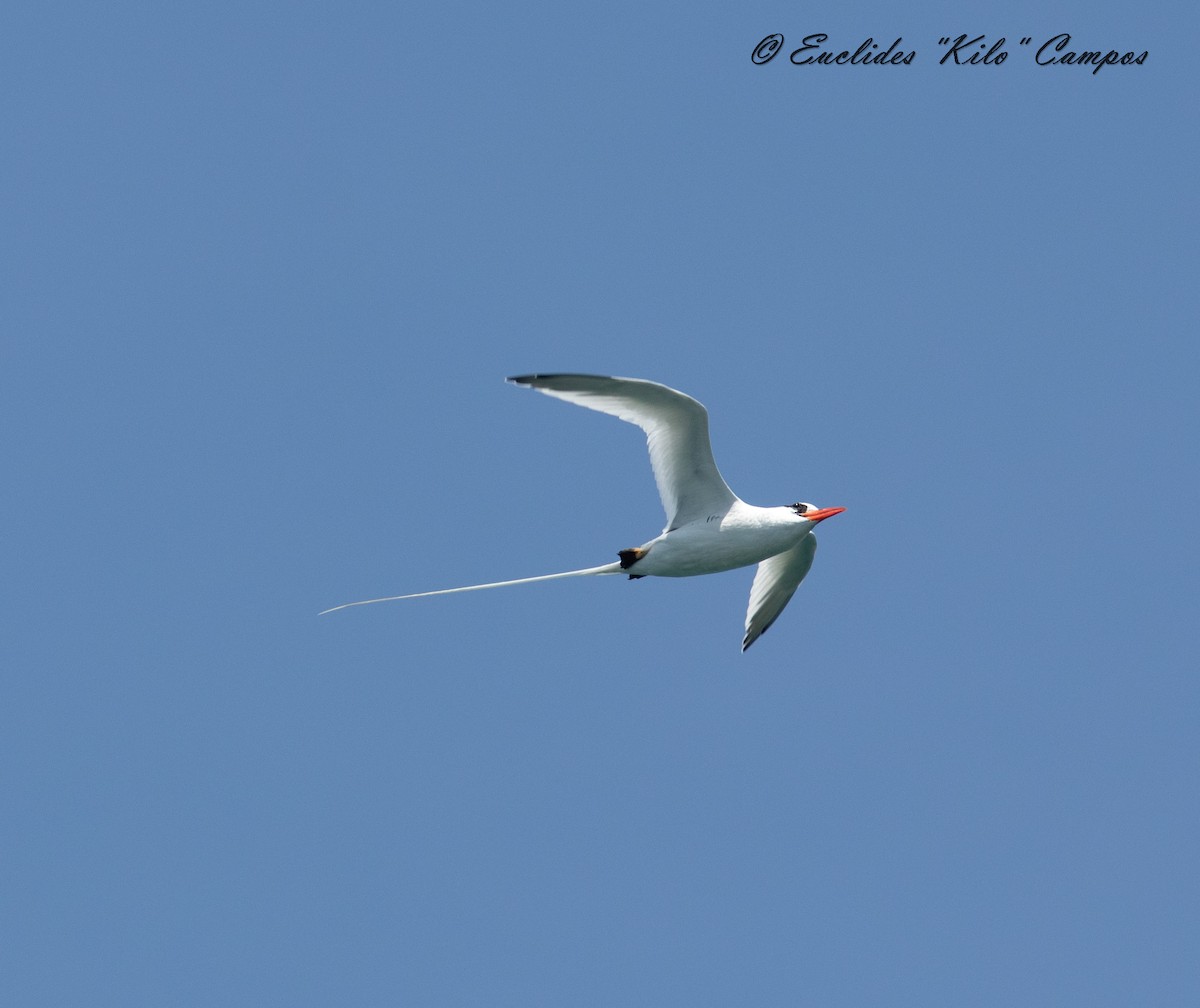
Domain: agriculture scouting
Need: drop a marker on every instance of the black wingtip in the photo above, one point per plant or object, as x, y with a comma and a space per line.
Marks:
529, 379
747, 640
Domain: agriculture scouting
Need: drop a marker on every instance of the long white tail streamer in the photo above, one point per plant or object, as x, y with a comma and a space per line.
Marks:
612, 568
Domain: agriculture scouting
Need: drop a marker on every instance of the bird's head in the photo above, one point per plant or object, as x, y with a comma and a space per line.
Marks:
814, 514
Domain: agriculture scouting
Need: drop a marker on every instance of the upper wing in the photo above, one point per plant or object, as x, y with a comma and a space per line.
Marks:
676, 429
774, 585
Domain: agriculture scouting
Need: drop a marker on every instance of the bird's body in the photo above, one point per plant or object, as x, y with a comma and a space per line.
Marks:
742, 536
709, 529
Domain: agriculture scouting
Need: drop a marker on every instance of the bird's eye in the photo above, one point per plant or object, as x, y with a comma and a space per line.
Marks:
799, 508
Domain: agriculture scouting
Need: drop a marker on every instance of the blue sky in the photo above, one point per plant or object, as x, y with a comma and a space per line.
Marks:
268, 265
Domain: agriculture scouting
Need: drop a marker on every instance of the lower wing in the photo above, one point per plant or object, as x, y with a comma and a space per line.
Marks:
774, 585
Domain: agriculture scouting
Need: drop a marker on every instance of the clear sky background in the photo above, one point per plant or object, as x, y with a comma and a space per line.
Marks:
266, 267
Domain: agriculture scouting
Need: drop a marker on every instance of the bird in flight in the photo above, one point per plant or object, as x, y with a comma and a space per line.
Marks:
709, 529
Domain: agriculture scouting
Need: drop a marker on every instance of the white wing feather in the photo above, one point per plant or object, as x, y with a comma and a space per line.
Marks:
775, 583
676, 427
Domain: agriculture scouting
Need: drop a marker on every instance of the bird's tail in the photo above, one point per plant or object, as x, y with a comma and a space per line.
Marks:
612, 568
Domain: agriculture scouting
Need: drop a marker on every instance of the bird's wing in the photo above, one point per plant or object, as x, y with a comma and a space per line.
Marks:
774, 585
676, 429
